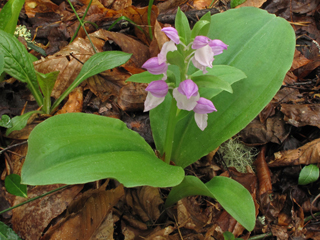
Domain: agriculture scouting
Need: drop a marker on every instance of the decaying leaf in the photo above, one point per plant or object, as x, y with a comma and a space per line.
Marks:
30, 220
132, 97
40, 6
300, 115
74, 103
263, 173
252, 3
85, 215
307, 154
144, 202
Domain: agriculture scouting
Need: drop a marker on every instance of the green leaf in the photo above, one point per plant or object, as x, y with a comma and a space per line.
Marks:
13, 185
9, 15
201, 28
144, 77
308, 174
175, 58
228, 236
96, 64
18, 64
46, 83
235, 3
210, 81
5, 121
1, 63
36, 48
77, 148
7, 233
182, 26
19, 122
232, 196
263, 50
160, 114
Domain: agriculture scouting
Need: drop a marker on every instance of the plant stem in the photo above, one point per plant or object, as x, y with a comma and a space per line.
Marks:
82, 25
170, 131
32, 199
82, 19
149, 17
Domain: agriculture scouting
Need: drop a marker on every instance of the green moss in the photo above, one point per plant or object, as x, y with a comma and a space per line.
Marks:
236, 154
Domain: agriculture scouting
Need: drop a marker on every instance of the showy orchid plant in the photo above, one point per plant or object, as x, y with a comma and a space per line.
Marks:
192, 109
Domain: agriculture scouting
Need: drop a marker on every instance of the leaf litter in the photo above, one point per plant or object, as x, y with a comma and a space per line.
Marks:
287, 130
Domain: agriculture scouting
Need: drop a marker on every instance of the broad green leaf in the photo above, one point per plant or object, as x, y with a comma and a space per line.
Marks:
144, 77
175, 58
98, 63
210, 81
13, 185
18, 64
9, 15
308, 174
201, 28
19, 122
46, 83
5, 121
1, 63
159, 114
77, 148
235, 3
182, 26
228, 236
7, 233
262, 46
232, 196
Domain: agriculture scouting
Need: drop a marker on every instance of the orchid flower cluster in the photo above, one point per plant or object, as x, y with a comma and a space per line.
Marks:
187, 95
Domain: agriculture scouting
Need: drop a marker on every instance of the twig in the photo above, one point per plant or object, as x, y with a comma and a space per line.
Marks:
12, 146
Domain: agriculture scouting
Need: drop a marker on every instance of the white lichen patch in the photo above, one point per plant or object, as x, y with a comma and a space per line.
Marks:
236, 154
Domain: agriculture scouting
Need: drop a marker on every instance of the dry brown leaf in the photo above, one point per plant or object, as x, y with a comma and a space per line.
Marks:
22, 134
300, 115
31, 219
15, 159
273, 129
299, 60
307, 154
190, 216
68, 66
169, 4
144, 202
74, 103
263, 173
132, 96
127, 44
201, 4
105, 231
159, 234
40, 6
252, 3
86, 215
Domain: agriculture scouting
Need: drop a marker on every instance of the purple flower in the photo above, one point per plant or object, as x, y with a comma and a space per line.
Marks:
201, 110
167, 47
154, 67
172, 33
186, 95
157, 91
205, 50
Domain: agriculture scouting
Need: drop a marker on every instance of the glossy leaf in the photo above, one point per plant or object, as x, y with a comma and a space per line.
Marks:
46, 83
210, 81
13, 185
182, 26
19, 122
308, 174
7, 233
17, 63
201, 28
1, 63
5, 121
77, 148
232, 196
263, 49
9, 15
144, 77
235, 3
